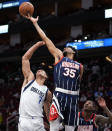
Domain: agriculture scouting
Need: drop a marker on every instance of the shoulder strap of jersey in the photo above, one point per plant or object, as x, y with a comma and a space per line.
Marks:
80, 66
81, 114
28, 85
94, 116
59, 60
91, 117
46, 93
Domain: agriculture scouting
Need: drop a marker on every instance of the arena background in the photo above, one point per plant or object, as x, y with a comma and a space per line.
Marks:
64, 21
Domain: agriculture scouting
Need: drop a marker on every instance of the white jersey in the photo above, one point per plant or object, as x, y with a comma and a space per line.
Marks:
32, 100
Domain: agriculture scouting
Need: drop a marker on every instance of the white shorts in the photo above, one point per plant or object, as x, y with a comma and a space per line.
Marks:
26, 124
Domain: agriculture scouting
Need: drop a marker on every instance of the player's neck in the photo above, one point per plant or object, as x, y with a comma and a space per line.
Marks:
40, 81
87, 114
70, 57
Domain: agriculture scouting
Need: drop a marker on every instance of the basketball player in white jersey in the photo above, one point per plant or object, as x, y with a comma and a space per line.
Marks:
34, 95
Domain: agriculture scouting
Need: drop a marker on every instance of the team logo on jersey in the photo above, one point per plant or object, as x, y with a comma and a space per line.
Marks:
40, 93
70, 65
53, 113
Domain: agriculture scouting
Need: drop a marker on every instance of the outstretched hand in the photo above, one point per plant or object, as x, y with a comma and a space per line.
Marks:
32, 19
41, 43
101, 102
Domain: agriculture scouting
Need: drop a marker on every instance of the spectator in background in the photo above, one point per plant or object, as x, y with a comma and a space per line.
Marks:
2, 127
110, 92
11, 104
1, 101
16, 95
98, 93
96, 69
1, 118
14, 113
83, 98
90, 95
90, 121
95, 72
2, 81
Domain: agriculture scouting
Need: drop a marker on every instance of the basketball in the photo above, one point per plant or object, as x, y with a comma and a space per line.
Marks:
26, 8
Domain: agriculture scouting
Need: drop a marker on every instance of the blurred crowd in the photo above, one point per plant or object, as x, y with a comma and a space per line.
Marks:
97, 81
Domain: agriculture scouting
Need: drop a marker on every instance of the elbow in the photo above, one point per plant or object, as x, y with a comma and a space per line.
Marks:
23, 57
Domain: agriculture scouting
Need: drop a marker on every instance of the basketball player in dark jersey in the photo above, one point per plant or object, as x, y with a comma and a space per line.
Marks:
88, 120
67, 77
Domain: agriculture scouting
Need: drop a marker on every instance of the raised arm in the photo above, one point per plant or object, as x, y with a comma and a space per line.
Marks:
101, 119
28, 75
57, 54
47, 104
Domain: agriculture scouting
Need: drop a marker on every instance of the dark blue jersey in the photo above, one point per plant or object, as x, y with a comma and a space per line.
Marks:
67, 74
67, 81
86, 125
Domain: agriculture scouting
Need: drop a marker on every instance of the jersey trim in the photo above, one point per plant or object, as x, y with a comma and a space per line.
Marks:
28, 85
79, 114
94, 121
85, 118
59, 61
46, 94
56, 105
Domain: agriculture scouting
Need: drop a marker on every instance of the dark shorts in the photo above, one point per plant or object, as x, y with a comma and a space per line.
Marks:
68, 107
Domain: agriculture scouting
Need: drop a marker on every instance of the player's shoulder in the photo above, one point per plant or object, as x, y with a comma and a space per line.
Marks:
58, 60
27, 83
45, 88
78, 63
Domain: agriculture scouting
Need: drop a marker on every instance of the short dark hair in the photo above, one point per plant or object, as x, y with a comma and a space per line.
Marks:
76, 51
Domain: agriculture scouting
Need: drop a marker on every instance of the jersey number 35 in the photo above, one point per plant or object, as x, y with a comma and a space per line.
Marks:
69, 72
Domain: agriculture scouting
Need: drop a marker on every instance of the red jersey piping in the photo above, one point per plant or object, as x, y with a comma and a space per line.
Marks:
89, 118
58, 61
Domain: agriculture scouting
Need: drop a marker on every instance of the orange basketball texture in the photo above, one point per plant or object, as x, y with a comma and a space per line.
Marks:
26, 8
